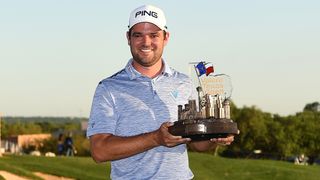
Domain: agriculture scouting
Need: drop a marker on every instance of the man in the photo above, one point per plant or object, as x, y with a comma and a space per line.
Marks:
68, 142
133, 109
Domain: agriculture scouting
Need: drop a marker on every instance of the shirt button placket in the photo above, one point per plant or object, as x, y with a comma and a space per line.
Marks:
154, 89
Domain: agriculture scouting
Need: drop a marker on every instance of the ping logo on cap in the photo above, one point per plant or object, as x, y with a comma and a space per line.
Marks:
144, 13
150, 14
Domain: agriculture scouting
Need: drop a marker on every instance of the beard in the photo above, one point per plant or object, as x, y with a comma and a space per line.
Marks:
147, 61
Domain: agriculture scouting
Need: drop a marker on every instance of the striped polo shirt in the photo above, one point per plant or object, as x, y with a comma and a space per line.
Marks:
129, 103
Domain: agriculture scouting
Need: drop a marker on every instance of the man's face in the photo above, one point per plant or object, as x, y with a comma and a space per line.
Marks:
146, 43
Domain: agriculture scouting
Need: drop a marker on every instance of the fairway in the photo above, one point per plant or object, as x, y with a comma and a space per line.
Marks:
204, 166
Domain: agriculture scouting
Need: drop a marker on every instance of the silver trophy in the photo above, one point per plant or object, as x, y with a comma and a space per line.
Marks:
212, 117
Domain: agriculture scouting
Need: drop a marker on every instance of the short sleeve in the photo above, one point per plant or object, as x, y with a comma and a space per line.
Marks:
102, 116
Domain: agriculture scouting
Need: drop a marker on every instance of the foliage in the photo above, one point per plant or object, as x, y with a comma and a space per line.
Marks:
20, 128
49, 145
315, 107
12, 126
82, 145
277, 137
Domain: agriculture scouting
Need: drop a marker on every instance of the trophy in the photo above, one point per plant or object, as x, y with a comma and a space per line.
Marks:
212, 117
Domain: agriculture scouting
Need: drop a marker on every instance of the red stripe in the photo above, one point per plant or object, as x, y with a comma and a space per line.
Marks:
209, 70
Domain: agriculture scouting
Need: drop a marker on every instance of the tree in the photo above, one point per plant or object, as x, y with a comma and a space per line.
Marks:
309, 127
314, 107
253, 130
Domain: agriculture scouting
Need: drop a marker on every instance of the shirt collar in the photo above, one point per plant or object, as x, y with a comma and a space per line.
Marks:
134, 74
167, 70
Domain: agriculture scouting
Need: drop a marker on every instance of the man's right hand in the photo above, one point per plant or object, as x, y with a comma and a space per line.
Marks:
164, 138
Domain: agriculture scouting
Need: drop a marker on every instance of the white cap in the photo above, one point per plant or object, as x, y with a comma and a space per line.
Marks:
148, 13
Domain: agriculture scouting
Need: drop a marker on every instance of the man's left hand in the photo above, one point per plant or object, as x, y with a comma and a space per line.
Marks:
223, 141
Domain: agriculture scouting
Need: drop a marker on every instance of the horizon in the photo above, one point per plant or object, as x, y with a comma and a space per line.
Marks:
83, 117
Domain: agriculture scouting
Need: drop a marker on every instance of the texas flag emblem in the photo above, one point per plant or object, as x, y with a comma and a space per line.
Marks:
204, 68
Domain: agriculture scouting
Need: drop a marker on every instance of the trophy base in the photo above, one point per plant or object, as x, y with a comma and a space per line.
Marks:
204, 129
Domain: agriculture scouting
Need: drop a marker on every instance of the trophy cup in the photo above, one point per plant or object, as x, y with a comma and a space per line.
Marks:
211, 119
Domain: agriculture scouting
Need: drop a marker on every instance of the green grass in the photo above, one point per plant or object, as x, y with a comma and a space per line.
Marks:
75, 167
209, 167
204, 167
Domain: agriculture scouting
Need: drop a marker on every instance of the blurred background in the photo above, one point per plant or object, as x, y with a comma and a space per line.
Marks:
54, 53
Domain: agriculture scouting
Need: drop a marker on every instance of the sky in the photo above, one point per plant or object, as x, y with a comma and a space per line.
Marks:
53, 53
